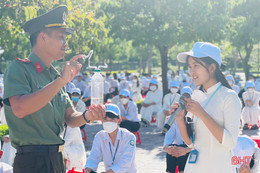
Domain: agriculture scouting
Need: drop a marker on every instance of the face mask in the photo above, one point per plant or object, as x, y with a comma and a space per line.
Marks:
152, 88
124, 101
109, 126
230, 82
74, 99
174, 90
250, 90
134, 80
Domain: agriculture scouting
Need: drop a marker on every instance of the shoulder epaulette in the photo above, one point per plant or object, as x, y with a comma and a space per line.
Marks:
23, 60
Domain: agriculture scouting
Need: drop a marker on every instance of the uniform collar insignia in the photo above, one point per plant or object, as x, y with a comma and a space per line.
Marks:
23, 60
38, 67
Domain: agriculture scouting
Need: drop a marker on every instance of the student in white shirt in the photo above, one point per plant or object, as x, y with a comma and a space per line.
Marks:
129, 112
231, 82
168, 101
177, 151
216, 113
251, 111
136, 88
114, 146
124, 84
152, 103
86, 97
79, 83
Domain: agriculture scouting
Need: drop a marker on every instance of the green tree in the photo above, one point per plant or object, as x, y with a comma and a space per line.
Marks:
163, 24
245, 29
89, 27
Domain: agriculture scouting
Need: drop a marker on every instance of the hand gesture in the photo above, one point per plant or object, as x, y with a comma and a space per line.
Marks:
244, 169
96, 112
194, 107
71, 69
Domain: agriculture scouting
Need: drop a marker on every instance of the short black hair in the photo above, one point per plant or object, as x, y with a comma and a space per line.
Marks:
33, 37
111, 115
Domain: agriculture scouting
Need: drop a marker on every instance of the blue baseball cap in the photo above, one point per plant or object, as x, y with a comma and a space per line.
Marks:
75, 90
154, 76
230, 77
114, 109
154, 81
186, 89
201, 50
249, 84
124, 92
175, 83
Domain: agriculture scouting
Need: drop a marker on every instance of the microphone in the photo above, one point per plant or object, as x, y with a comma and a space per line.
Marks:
173, 116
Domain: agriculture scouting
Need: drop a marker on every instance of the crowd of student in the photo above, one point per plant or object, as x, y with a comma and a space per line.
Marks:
139, 102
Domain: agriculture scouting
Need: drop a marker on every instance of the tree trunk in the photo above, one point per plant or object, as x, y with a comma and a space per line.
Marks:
149, 62
248, 49
164, 65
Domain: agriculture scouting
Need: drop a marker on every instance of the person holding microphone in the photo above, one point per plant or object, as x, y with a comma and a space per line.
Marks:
215, 110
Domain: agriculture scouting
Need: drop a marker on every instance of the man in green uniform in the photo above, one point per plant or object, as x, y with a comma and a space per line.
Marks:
36, 103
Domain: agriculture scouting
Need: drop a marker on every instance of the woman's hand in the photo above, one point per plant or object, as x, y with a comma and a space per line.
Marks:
181, 114
244, 169
194, 107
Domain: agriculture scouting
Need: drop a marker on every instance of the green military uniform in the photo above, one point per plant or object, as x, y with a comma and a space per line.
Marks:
45, 126
37, 137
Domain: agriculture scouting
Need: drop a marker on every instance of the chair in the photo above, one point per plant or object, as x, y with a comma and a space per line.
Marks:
153, 120
84, 138
73, 171
138, 141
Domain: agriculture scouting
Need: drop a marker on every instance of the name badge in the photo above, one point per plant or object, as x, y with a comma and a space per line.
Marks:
193, 156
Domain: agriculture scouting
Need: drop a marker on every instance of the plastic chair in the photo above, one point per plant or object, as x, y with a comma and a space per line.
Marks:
138, 141
177, 169
73, 171
153, 120
84, 138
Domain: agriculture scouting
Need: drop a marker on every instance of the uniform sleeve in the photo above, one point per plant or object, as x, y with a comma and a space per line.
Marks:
127, 156
245, 96
133, 113
158, 101
69, 103
170, 135
95, 155
16, 81
165, 103
231, 113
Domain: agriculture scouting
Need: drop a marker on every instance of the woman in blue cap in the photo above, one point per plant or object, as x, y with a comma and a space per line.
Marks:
152, 103
216, 118
251, 111
129, 112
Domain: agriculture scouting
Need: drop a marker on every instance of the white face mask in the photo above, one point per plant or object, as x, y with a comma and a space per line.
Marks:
230, 82
153, 88
109, 126
134, 80
250, 90
174, 90
124, 101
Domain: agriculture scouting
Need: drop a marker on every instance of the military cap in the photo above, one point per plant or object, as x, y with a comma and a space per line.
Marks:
56, 18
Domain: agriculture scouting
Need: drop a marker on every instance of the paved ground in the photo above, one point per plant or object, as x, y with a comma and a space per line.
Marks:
150, 158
